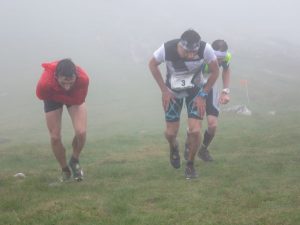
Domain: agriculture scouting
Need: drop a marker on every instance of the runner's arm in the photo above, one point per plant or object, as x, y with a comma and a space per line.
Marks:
153, 66
214, 69
226, 77
167, 95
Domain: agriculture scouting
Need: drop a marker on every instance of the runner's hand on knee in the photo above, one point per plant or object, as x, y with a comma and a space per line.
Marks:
167, 96
200, 103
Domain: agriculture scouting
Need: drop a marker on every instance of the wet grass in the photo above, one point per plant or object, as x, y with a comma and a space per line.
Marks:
254, 180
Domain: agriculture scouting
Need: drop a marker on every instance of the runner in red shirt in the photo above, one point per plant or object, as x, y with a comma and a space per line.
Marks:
64, 83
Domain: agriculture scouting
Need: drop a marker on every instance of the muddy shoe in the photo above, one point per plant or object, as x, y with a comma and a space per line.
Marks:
76, 170
190, 172
175, 157
204, 154
65, 176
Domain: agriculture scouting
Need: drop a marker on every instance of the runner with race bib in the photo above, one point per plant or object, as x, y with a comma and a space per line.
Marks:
184, 59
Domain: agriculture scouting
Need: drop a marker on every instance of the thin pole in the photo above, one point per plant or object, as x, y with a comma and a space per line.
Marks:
247, 92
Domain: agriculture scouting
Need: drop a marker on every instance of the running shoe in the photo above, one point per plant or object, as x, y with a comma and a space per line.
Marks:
204, 154
175, 157
190, 172
65, 176
76, 170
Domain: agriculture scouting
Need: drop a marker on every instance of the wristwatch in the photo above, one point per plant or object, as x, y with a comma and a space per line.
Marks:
226, 91
202, 94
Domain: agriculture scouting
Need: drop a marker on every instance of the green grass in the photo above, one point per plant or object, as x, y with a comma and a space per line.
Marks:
254, 180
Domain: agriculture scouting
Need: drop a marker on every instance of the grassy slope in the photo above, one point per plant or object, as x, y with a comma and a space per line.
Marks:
254, 180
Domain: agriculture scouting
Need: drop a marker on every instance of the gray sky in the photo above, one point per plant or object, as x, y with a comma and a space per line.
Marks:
35, 30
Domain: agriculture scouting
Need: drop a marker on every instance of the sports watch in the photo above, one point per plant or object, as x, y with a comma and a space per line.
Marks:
202, 94
226, 91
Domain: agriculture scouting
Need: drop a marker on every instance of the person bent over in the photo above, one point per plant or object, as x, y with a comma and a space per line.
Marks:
64, 83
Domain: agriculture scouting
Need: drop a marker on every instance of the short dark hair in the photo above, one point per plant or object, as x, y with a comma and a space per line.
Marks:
65, 67
220, 45
190, 39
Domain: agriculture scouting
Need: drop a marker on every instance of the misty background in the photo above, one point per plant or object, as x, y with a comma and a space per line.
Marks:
113, 41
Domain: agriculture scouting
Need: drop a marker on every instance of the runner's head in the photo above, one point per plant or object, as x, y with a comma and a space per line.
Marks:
66, 73
220, 47
189, 44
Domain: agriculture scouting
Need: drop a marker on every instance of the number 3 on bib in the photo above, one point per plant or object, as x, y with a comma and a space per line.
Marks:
181, 82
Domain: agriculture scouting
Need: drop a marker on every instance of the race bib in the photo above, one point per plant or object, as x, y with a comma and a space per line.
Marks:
181, 82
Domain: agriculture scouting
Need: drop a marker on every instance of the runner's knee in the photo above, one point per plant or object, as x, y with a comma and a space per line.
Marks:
212, 124
170, 134
212, 127
55, 138
81, 134
194, 132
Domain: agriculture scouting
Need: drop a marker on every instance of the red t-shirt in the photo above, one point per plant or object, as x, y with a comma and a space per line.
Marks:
49, 89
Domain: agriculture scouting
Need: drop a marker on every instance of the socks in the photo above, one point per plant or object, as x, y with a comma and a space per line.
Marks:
66, 169
73, 160
207, 138
190, 163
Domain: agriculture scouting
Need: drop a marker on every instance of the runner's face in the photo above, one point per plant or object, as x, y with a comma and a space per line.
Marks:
186, 54
66, 82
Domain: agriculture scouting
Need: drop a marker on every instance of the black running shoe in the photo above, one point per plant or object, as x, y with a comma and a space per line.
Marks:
190, 172
175, 157
65, 176
204, 154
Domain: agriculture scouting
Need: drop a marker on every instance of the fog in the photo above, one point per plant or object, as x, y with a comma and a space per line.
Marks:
113, 41
90, 31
